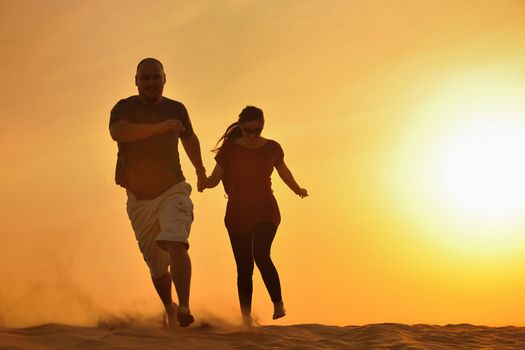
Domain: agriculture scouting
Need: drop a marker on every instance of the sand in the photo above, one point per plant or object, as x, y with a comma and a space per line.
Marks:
115, 335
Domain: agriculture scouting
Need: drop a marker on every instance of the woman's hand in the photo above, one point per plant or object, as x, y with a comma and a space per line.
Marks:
215, 177
288, 179
302, 192
207, 183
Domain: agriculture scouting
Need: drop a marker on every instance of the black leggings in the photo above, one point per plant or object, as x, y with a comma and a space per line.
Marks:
250, 247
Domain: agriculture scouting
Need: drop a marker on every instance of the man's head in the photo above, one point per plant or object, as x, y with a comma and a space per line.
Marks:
150, 80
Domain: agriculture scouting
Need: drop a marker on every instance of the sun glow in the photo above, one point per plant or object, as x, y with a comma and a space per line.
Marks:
460, 170
481, 170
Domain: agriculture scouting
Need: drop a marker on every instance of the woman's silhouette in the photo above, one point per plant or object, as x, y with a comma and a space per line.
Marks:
245, 162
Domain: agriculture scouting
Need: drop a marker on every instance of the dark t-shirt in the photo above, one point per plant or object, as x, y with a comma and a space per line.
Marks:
150, 166
247, 182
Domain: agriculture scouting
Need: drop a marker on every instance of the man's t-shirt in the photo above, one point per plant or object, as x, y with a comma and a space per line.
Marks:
150, 166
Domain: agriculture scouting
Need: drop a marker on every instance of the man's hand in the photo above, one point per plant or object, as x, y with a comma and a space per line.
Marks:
202, 182
171, 124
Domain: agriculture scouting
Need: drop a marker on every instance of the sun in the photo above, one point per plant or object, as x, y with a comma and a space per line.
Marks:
458, 173
480, 170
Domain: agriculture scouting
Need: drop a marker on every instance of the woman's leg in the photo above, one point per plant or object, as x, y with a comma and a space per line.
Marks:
242, 251
263, 235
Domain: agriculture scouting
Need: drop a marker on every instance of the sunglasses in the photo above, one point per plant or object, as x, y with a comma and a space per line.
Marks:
255, 131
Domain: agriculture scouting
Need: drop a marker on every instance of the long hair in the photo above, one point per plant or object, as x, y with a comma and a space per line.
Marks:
248, 114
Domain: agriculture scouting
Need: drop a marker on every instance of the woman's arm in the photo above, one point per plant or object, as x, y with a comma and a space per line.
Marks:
288, 179
215, 177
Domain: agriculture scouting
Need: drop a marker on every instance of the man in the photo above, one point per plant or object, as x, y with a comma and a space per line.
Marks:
147, 127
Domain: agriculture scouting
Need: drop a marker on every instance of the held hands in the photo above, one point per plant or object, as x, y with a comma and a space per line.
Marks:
202, 179
202, 182
214, 179
302, 192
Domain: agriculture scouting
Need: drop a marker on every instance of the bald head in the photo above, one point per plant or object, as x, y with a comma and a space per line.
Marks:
150, 80
149, 60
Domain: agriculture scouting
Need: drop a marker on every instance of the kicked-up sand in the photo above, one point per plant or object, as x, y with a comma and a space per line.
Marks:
129, 335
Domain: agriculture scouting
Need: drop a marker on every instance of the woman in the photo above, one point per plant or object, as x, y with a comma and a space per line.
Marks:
245, 161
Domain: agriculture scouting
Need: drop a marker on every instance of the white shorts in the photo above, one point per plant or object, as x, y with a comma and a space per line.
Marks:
166, 218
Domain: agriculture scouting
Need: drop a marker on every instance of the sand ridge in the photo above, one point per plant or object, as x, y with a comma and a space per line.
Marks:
303, 336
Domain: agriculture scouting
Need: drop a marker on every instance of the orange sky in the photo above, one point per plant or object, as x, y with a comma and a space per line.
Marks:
358, 93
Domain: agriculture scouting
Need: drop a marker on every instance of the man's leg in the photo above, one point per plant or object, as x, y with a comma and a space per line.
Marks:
163, 288
180, 268
144, 217
175, 219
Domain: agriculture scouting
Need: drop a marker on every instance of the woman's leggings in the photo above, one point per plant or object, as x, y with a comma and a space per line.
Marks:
250, 247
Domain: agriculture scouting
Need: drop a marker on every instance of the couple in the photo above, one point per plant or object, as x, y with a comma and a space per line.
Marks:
147, 128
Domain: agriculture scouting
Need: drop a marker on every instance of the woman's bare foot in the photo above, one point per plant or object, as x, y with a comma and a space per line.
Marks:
278, 310
247, 321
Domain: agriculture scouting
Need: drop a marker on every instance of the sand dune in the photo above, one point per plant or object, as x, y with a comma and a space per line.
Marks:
115, 335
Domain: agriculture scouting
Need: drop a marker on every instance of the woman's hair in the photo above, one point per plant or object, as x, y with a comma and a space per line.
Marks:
248, 114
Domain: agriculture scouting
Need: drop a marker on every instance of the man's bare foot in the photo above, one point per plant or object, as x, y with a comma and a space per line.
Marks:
171, 315
184, 316
278, 310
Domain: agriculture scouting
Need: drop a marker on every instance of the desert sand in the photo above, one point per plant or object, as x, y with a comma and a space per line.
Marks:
129, 335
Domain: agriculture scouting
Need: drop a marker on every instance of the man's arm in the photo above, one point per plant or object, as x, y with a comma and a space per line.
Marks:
124, 131
193, 150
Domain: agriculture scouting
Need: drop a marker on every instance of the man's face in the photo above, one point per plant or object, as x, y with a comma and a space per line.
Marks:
150, 80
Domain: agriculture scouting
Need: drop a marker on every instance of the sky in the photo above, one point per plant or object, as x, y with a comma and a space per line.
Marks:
404, 121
